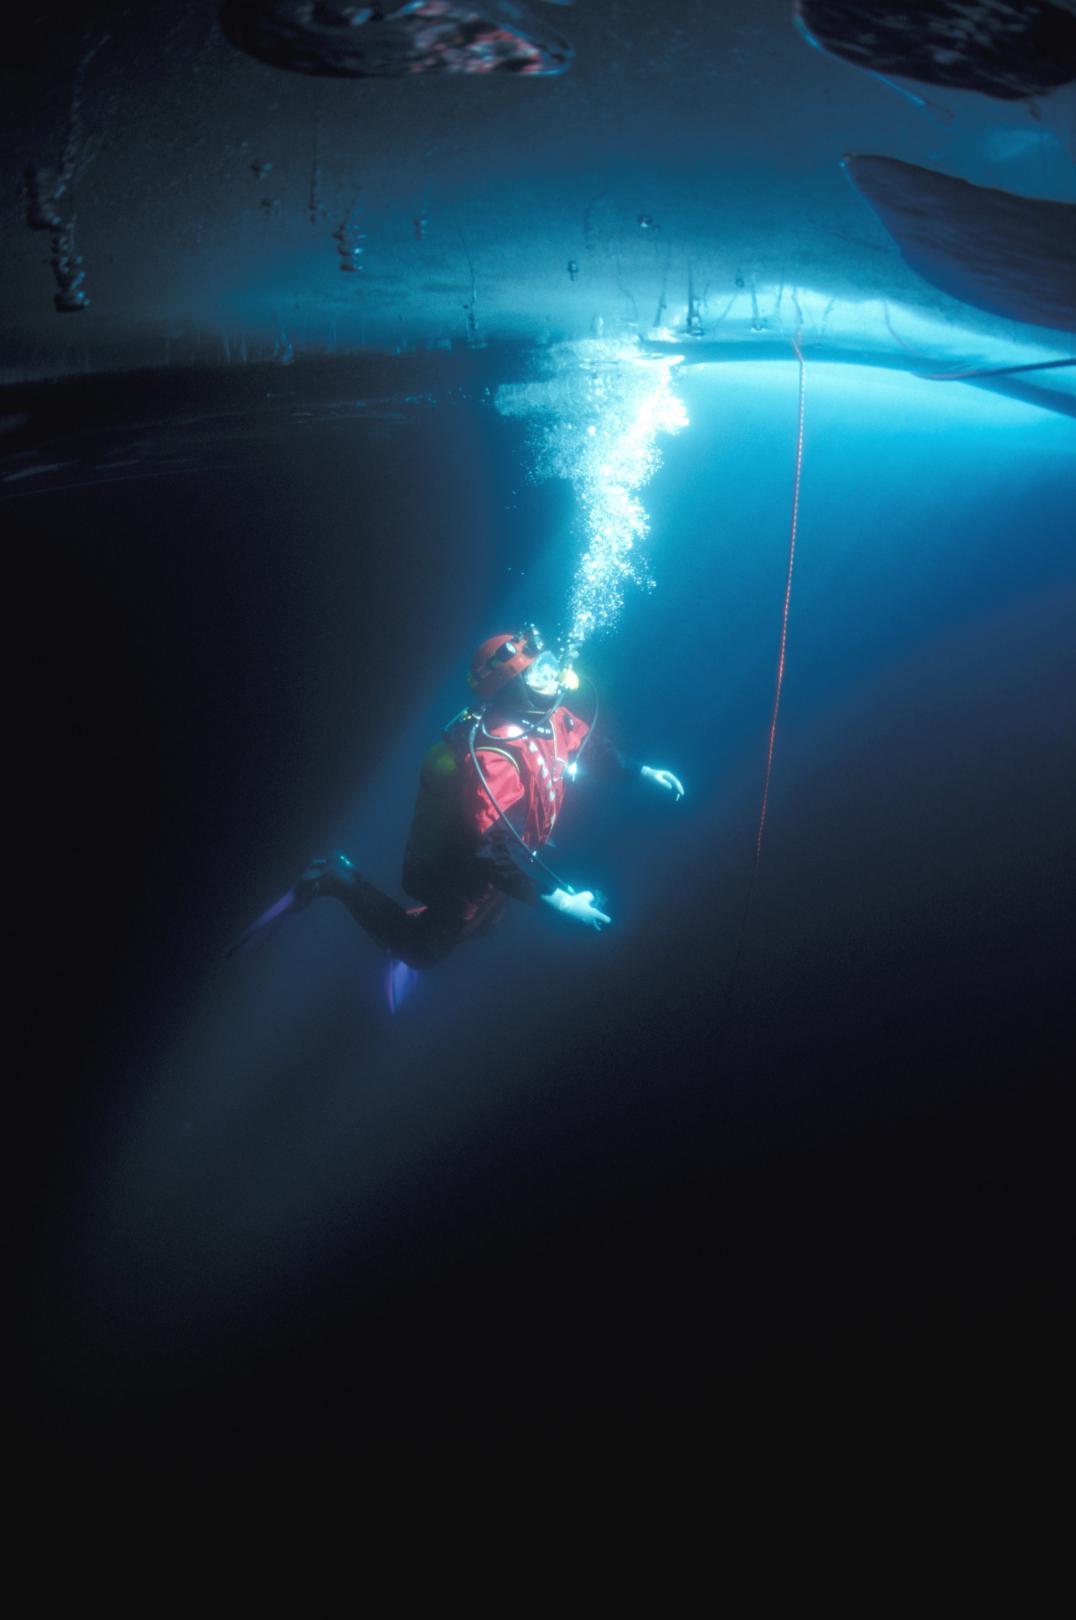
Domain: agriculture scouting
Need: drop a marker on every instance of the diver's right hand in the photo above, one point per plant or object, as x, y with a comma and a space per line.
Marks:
580, 906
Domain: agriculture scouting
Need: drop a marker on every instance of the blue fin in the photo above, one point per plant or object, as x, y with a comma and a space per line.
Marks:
264, 927
400, 980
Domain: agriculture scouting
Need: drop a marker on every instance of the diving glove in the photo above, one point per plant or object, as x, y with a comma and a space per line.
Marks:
665, 779
580, 906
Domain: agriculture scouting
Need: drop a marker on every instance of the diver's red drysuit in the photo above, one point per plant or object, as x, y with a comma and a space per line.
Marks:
527, 769
462, 861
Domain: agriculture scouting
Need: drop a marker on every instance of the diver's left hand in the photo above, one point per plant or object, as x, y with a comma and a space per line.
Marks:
665, 779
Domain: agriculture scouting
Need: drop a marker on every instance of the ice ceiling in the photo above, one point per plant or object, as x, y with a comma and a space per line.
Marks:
681, 178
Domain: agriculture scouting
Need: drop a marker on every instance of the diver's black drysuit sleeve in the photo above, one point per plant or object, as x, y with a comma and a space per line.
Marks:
602, 759
495, 861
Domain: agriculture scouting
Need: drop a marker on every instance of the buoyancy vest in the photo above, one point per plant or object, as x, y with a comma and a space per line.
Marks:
453, 812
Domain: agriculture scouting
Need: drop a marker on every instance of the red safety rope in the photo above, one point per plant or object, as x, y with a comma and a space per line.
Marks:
788, 599
749, 897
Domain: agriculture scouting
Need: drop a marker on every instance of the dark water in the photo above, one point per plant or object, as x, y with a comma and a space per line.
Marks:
578, 1175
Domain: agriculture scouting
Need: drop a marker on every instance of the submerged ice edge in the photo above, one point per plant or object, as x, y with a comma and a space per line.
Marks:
752, 314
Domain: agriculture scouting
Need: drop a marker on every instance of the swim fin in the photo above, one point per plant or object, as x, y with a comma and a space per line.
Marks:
264, 927
400, 980
323, 876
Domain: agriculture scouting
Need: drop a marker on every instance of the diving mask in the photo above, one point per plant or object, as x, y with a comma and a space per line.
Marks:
547, 676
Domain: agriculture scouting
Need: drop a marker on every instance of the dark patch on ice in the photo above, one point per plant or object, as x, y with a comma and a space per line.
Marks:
1010, 49
1014, 256
336, 39
44, 191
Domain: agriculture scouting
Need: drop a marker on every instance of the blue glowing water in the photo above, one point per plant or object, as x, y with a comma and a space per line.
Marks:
242, 663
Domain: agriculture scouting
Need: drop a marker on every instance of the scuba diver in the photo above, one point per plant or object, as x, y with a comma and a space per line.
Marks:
490, 794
